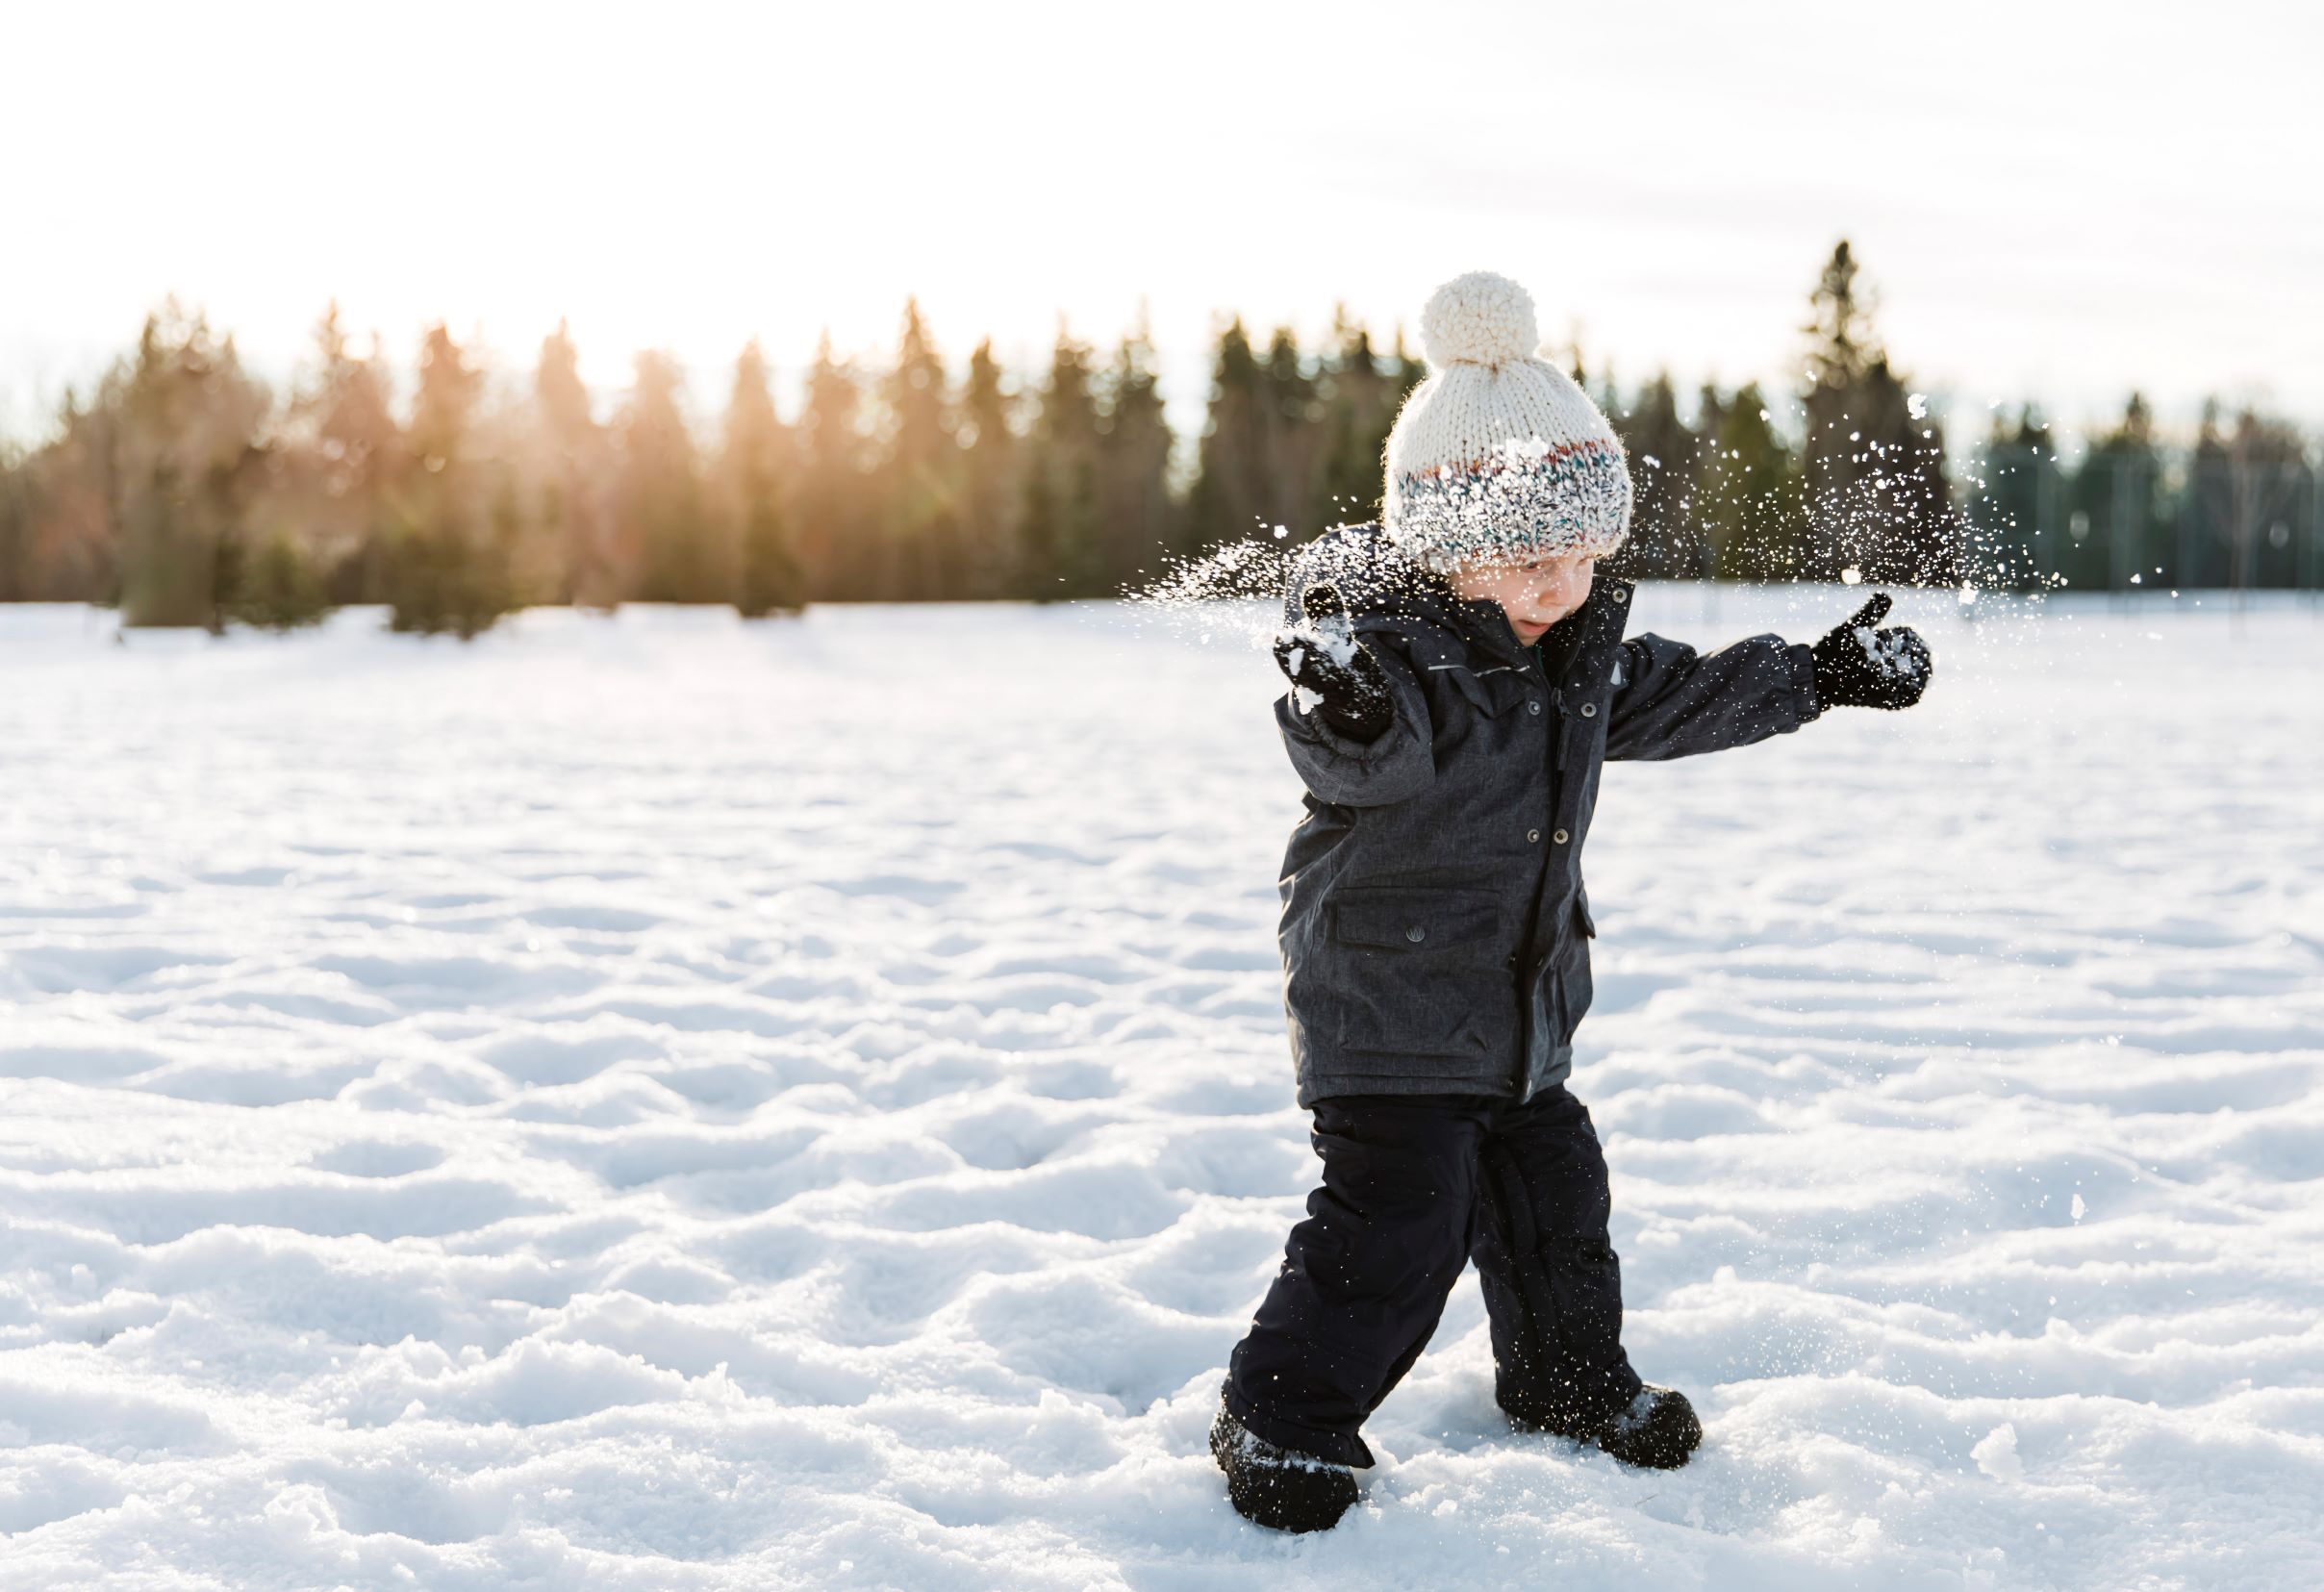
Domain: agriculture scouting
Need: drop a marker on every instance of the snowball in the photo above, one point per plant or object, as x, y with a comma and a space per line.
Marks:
1996, 1455
1480, 318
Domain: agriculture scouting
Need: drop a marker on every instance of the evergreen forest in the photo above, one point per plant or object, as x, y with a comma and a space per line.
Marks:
187, 491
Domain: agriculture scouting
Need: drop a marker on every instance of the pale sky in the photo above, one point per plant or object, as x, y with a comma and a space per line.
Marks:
2054, 201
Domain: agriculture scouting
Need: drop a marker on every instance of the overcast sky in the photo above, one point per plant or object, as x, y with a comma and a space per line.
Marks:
2053, 201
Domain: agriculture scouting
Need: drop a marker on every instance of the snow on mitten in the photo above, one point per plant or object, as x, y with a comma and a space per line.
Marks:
1857, 666
1330, 671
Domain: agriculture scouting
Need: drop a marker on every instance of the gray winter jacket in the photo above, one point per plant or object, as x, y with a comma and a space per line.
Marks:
1436, 933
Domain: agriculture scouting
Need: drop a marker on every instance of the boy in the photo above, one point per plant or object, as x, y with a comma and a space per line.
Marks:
1457, 679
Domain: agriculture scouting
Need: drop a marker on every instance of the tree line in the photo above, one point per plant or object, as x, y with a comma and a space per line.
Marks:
181, 487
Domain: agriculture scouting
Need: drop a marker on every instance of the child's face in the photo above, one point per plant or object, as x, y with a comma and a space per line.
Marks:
1536, 594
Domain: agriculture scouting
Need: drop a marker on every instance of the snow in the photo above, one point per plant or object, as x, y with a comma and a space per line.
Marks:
1997, 1455
1888, 653
672, 1103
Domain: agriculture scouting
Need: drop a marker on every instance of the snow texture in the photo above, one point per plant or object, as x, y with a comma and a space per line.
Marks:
667, 1103
1333, 639
1889, 653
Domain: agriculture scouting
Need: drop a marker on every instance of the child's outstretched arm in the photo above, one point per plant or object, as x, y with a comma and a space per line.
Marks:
1353, 721
1671, 702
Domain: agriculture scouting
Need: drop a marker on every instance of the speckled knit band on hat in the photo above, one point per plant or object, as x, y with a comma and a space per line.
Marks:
1498, 456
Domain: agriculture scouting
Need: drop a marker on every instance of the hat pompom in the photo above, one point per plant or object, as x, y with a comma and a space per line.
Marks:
1480, 318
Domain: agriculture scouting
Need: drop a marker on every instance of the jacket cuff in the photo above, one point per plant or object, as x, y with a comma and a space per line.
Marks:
1808, 704
1338, 736
1314, 726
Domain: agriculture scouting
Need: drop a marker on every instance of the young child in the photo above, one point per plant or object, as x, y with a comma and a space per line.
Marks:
1457, 679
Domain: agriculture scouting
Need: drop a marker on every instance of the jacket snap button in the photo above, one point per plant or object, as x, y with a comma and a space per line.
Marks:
1534, 835
1589, 710
1533, 708
1559, 837
1416, 932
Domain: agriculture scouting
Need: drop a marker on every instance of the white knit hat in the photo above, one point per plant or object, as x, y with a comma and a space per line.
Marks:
1498, 456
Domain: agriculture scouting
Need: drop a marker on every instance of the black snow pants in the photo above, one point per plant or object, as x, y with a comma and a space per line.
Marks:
1415, 1186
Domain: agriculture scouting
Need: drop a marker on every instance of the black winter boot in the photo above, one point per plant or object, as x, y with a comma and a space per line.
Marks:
1276, 1487
1656, 1429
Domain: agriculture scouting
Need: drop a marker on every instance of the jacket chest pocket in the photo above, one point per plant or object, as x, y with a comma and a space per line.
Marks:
1497, 712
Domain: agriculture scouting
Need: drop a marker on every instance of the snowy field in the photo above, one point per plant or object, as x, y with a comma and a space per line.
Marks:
666, 1103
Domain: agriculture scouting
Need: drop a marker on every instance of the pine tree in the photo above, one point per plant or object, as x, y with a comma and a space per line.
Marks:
770, 581
1839, 355
754, 460
351, 453
919, 545
1874, 470
1710, 417
1360, 399
1135, 517
1664, 542
992, 489
1231, 486
678, 554
1748, 491
69, 544
1904, 474
833, 482
446, 564
2102, 550
2199, 550
1060, 516
16, 523
2248, 489
185, 456
275, 585
571, 475
1295, 436
444, 408
2119, 518
2014, 546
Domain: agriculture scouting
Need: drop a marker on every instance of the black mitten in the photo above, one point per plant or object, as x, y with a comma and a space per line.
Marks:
1859, 667
1323, 658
